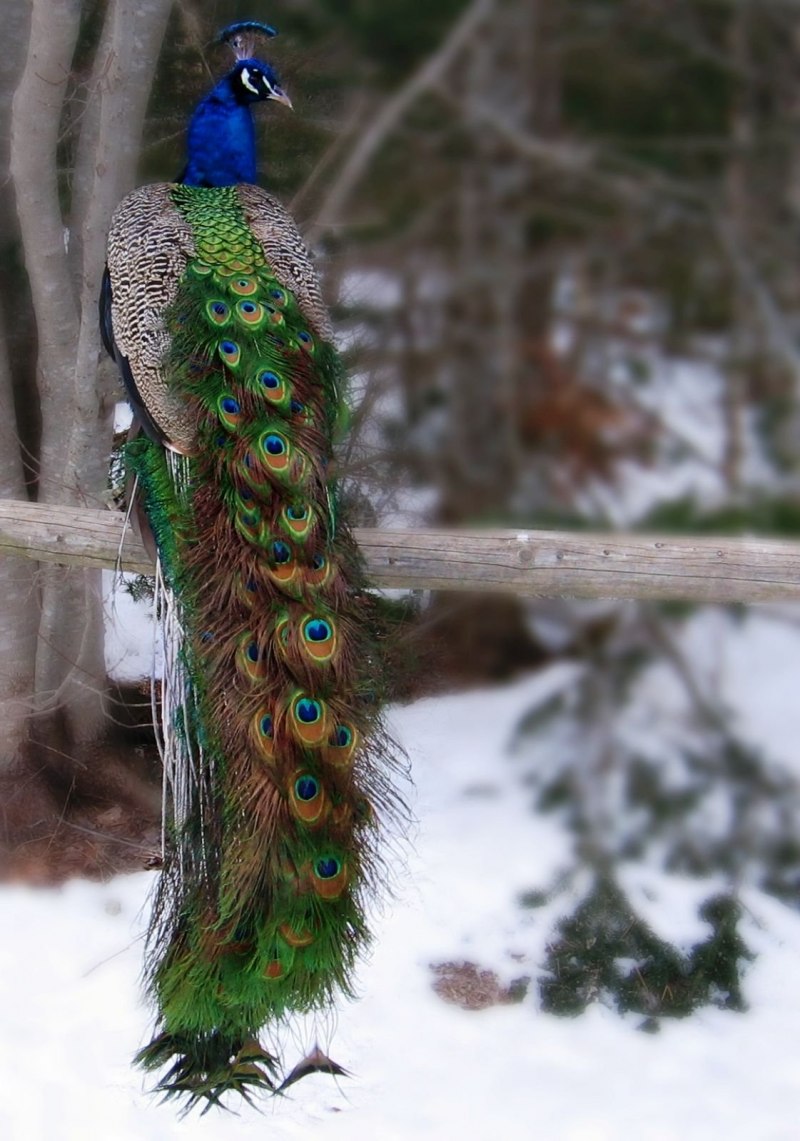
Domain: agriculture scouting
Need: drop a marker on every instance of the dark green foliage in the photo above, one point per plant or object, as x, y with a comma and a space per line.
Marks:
663, 794
605, 952
704, 802
768, 515
140, 587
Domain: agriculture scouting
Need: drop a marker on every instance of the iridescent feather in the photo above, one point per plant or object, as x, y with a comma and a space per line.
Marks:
278, 767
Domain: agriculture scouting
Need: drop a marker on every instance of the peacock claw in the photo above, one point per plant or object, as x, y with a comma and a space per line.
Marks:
208, 1069
314, 1062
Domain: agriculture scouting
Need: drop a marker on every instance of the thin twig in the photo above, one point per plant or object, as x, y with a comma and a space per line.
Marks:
393, 112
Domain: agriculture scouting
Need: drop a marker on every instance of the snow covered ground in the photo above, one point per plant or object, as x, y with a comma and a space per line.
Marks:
422, 1069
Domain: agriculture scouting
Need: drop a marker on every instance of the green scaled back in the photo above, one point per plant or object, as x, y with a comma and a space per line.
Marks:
273, 736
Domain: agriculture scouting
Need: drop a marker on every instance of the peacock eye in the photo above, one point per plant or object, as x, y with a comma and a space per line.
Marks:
269, 379
230, 353
265, 725
327, 867
275, 445
308, 711
343, 736
280, 552
251, 312
317, 630
306, 788
218, 312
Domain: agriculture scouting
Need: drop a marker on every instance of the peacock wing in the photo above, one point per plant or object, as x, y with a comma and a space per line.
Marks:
149, 246
286, 253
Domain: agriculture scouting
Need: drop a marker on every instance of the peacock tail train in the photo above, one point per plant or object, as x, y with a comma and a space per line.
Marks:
277, 762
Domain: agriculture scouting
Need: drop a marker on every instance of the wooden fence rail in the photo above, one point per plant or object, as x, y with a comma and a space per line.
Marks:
538, 563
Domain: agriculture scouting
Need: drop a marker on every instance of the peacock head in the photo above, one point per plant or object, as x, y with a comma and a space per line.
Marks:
254, 80
221, 138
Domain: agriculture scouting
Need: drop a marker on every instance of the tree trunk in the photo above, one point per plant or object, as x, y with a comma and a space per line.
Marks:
18, 612
76, 408
61, 753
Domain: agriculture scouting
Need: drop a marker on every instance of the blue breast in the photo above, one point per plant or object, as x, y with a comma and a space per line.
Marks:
221, 141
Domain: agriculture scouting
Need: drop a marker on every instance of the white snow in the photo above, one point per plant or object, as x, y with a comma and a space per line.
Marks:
130, 644
70, 962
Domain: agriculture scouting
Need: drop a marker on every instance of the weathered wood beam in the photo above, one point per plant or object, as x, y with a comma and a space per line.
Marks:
70, 536
538, 563
563, 564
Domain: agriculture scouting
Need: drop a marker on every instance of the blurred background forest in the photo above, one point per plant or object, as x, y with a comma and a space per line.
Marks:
558, 238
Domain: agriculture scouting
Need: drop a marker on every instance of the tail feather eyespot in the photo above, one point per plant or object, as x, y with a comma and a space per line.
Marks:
244, 286
319, 638
341, 747
251, 660
218, 312
310, 719
273, 386
251, 313
307, 799
229, 411
262, 729
230, 352
320, 571
298, 519
282, 567
328, 877
296, 937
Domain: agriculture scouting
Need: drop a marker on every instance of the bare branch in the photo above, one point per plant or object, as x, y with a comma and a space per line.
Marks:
392, 113
639, 188
776, 326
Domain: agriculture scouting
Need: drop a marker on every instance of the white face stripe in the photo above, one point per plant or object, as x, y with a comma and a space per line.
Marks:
245, 74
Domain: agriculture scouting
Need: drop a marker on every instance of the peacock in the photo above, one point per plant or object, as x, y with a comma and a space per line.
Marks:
279, 772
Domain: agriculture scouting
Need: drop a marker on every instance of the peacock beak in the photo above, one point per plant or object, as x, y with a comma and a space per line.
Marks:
280, 96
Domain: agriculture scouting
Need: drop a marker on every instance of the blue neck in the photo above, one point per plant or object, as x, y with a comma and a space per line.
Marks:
221, 141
